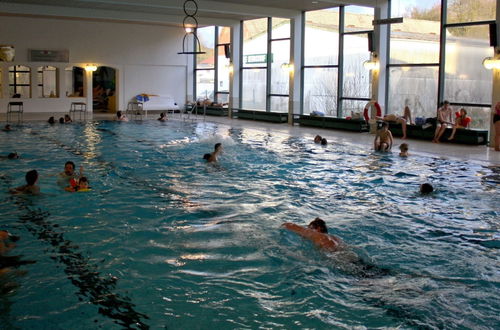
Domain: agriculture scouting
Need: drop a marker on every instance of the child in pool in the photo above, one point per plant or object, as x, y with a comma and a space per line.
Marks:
383, 140
83, 185
404, 150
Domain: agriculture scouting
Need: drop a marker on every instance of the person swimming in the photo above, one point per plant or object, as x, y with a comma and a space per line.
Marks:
426, 188
317, 233
30, 187
212, 157
162, 117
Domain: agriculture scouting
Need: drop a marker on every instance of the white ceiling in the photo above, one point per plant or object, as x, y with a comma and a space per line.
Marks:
168, 12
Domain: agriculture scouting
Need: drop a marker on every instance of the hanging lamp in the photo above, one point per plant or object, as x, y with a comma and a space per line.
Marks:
190, 24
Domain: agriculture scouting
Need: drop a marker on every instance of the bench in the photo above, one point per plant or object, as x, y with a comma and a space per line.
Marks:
274, 117
463, 136
356, 125
212, 111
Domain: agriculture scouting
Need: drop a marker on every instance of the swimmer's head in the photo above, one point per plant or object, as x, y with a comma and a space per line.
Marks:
317, 139
217, 146
31, 177
13, 155
69, 168
324, 142
5, 235
318, 225
83, 183
61, 120
403, 147
426, 188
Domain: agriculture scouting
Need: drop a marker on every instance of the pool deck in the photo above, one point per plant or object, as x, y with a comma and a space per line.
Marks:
444, 150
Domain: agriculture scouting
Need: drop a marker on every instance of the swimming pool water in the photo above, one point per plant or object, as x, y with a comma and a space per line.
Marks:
165, 240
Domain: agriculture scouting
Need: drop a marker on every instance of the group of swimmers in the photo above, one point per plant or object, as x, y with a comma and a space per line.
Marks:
63, 120
71, 181
122, 117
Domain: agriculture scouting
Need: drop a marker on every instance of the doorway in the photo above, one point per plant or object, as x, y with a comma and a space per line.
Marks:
104, 89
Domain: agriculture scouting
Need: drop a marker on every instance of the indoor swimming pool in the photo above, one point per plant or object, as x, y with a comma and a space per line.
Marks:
165, 240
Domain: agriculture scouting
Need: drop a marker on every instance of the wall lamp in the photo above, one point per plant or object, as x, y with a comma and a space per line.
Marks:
287, 67
90, 68
491, 63
372, 64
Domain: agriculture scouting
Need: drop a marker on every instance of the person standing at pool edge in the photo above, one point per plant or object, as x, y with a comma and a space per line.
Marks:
212, 157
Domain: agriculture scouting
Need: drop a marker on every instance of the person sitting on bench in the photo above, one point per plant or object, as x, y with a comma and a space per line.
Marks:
462, 121
400, 120
443, 120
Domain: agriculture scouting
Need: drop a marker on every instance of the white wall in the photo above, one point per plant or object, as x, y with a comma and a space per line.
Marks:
145, 57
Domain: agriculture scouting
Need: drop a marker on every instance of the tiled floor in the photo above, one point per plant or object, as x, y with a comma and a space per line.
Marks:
465, 152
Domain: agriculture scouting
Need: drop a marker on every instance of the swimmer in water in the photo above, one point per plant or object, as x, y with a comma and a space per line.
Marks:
30, 187
83, 185
383, 140
12, 155
404, 150
317, 233
69, 175
212, 157
163, 117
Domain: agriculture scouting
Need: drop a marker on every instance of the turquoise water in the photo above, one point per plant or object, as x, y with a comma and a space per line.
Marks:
165, 240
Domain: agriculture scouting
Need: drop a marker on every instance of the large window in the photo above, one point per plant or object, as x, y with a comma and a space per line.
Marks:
19, 81
266, 57
321, 55
212, 68
356, 79
413, 68
47, 81
467, 83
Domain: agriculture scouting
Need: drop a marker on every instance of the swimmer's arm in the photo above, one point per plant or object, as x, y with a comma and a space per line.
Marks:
390, 140
304, 232
377, 137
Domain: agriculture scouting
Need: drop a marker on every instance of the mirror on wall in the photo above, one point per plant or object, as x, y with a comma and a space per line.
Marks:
74, 76
47, 81
19, 81
7, 53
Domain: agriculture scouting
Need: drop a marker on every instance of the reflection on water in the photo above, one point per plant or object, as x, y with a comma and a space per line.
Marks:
192, 245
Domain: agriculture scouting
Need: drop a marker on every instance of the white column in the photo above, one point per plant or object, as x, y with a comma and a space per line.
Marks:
381, 35
189, 76
296, 46
234, 76
496, 84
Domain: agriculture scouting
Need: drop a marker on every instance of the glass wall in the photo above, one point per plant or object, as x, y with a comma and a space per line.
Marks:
413, 70
321, 56
266, 58
467, 83
356, 80
19, 81
212, 68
